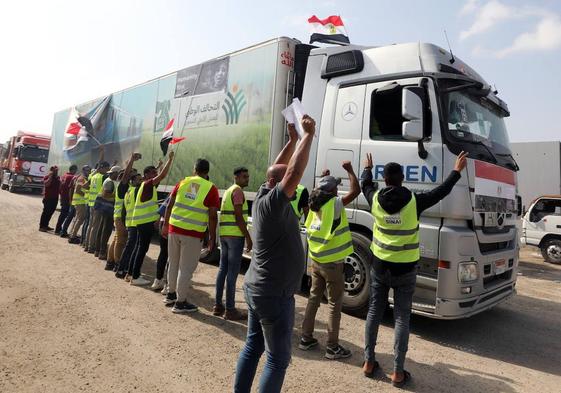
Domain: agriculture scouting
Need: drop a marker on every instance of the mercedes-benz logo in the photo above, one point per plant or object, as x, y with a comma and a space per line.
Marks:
349, 111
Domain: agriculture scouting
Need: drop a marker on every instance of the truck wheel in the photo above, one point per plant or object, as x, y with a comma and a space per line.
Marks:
357, 277
551, 251
11, 188
4, 186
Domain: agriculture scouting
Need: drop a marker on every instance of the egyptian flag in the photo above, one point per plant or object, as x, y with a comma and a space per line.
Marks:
329, 30
168, 138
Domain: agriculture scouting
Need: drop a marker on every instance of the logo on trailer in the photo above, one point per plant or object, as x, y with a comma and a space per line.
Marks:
233, 105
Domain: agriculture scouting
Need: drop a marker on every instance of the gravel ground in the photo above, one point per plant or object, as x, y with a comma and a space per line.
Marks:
66, 325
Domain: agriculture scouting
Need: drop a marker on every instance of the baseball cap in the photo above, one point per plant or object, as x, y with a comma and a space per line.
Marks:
115, 169
328, 183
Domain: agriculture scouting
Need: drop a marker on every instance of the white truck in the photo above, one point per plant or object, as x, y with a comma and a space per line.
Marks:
541, 227
411, 103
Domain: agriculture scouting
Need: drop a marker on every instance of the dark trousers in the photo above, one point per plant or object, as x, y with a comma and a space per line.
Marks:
85, 225
64, 207
126, 256
162, 258
403, 287
104, 233
68, 220
145, 232
49, 207
269, 328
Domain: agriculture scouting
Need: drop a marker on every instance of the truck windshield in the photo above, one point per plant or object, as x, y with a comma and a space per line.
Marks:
477, 126
29, 153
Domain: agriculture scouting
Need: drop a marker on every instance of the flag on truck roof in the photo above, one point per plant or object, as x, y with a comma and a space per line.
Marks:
330, 30
168, 138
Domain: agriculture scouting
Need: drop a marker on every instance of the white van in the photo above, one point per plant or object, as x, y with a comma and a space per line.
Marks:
541, 227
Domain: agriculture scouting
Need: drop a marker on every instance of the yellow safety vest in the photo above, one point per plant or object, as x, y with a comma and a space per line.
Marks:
119, 203
145, 212
78, 199
96, 185
189, 211
296, 200
325, 246
396, 236
128, 203
228, 225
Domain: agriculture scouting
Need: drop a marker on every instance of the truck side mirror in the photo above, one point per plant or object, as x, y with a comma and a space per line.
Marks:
412, 110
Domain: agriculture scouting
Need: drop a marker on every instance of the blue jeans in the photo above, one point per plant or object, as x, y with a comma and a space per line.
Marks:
68, 219
403, 287
231, 250
269, 328
126, 257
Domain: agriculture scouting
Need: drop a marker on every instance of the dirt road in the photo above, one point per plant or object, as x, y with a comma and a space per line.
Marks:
66, 325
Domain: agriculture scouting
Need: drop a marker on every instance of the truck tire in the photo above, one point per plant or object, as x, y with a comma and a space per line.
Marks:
551, 251
12, 188
357, 277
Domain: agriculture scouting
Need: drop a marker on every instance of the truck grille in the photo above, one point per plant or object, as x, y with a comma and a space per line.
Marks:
485, 248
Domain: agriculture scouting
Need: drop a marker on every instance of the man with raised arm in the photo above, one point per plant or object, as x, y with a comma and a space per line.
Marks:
276, 268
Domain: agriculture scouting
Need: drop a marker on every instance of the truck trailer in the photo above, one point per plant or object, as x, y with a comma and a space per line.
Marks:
413, 103
24, 162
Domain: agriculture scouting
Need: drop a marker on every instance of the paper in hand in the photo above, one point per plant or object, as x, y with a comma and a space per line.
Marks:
294, 114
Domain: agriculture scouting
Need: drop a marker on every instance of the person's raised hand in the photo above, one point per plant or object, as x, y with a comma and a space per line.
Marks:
136, 156
309, 125
347, 166
461, 161
292, 133
368, 161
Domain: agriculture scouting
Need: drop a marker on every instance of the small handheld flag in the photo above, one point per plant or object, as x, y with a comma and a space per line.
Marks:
168, 138
330, 30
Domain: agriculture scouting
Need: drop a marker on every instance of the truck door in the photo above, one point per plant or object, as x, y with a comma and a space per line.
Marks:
382, 137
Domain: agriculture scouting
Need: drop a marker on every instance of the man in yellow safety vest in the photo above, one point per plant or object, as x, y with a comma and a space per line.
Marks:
192, 209
396, 252
233, 234
329, 243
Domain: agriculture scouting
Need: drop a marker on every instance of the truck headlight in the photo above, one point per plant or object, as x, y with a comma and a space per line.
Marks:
467, 271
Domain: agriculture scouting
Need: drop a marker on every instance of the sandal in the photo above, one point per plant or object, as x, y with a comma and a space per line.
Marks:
406, 378
375, 368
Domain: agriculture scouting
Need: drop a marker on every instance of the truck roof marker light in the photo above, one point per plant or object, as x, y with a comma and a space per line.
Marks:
443, 264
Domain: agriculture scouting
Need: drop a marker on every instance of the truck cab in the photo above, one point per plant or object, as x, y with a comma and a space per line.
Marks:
417, 105
25, 162
541, 227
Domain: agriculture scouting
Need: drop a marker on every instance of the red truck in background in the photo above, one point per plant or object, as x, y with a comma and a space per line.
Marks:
24, 161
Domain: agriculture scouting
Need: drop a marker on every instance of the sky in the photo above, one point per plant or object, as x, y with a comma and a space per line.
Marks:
57, 53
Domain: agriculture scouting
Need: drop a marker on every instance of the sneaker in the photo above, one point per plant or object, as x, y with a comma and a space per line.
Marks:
96, 253
307, 344
120, 274
109, 266
170, 299
140, 281
63, 235
337, 353
165, 290
184, 308
116, 267
235, 315
102, 257
43, 230
157, 284
74, 240
218, 310
57, 233
128, 277
49, 228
